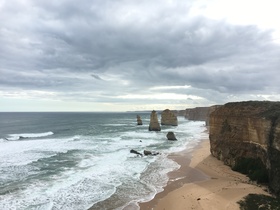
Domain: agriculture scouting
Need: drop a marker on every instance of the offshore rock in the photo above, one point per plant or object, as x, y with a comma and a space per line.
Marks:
154, 124
171, 136
139, 121
247, 134
168, 118
135, 152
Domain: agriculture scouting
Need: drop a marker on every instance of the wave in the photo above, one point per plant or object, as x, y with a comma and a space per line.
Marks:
15, 137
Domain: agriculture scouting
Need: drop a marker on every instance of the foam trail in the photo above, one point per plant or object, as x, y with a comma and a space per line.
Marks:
14, 137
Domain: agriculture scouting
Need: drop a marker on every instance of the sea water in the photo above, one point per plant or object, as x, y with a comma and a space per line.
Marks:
75, 161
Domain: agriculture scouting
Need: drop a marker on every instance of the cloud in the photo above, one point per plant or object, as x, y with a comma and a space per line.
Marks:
132, 48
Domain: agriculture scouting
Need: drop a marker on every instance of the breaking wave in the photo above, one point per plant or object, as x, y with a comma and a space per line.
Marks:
15, 137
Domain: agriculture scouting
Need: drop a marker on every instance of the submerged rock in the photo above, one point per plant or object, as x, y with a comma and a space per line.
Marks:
154, 124
171, 136
139, 121
135, 152
168, 118
146, 152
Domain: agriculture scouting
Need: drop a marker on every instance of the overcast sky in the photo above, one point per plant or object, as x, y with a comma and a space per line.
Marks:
118, 55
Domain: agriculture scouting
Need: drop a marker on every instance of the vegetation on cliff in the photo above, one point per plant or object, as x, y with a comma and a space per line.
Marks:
261, 202
253, 168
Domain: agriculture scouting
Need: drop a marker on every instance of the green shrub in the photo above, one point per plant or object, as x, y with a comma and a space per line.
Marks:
261, 202
253, 168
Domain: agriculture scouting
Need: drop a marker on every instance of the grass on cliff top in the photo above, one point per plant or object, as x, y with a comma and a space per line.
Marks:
261, 202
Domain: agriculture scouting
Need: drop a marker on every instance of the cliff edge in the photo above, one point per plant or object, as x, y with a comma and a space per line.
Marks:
246, 136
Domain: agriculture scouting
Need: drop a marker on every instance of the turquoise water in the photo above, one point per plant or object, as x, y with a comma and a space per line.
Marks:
81, 160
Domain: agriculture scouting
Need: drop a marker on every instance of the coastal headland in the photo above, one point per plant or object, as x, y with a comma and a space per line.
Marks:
241, 135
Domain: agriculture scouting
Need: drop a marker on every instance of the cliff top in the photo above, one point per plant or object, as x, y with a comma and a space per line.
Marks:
267, 109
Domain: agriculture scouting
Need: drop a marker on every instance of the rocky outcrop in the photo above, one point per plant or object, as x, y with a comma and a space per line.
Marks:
139, 121
168, 118
171, 136
154, 124
147, 152
197, 114
246, 136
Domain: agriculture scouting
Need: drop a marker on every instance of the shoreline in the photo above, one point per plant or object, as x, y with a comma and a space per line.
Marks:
206, 184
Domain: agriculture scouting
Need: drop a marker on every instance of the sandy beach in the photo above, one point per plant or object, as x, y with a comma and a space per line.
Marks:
202, 182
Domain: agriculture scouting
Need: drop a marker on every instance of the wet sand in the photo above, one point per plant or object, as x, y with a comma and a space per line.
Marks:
202, 182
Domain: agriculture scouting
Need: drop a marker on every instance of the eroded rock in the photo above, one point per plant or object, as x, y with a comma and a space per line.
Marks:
168, 118
154, 124
139, 121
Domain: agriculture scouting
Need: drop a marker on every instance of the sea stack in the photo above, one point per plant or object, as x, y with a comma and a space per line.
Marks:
168, 118
154, 124
139, 121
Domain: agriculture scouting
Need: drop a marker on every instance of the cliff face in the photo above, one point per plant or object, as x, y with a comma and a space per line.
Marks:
248, 132
197, 114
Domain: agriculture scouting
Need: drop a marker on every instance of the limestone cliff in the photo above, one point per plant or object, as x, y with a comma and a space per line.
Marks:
154, 124
168, 118
247, 135
197, 113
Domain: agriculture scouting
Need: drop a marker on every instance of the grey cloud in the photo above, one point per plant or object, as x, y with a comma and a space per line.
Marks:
145, 44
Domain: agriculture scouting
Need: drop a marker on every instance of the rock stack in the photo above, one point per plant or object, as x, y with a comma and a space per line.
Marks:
154, 124
168, 118
139, 121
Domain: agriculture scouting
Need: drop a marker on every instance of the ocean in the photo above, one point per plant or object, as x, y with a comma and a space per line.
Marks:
77, 161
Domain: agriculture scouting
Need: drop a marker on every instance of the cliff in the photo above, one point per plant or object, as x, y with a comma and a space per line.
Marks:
246, 136
197, 114
168, 118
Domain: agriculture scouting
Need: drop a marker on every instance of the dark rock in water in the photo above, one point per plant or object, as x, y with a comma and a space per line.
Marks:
146, 152
171, 136
135, 152
246, 136
154, 124
168, 118
139, 121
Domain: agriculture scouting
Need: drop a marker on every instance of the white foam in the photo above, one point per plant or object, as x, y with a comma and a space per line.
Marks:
104, 164
14, 137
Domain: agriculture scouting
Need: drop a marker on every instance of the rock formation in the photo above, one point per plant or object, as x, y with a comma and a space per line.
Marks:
210, 110
197, 114
171, 136
246, 136
168, 118
154, 124
135, 152
139, 121
147, 152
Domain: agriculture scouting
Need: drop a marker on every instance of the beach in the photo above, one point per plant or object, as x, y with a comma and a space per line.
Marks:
202, 182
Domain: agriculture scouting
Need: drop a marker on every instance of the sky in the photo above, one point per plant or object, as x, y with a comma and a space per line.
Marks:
131, 55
